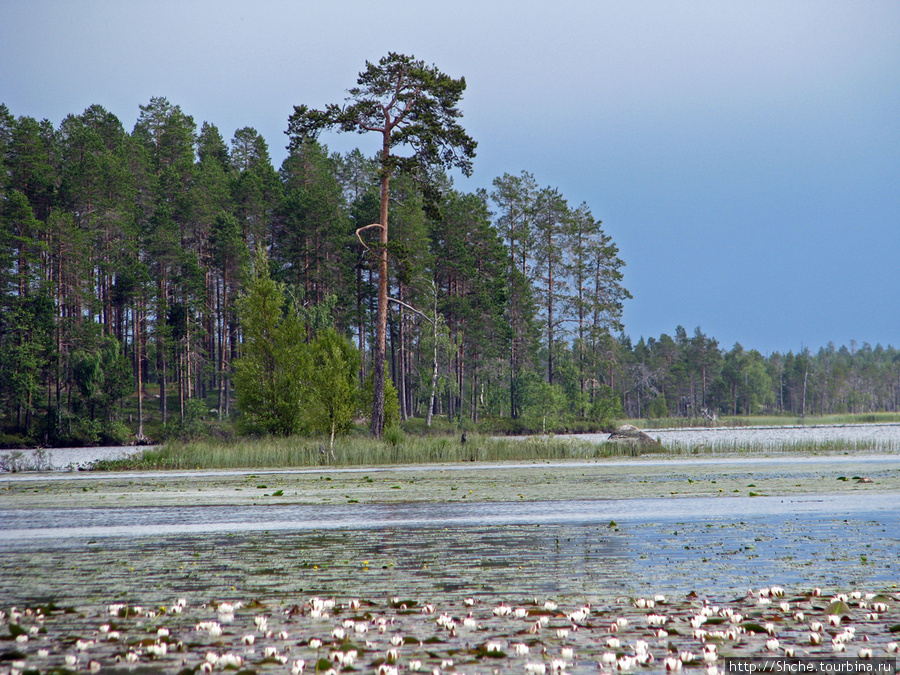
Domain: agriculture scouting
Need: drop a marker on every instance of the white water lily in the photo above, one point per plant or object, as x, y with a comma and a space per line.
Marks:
672, 663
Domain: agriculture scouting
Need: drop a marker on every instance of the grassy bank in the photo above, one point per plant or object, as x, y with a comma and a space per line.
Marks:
364, 451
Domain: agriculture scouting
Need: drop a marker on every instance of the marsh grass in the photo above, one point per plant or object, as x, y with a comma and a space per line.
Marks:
408, 449
364, 451
798, 447
767, 421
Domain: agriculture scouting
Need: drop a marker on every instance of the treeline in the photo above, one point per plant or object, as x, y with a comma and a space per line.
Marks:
692, 377
123, 257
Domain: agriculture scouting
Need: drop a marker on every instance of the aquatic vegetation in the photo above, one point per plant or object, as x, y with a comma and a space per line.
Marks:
417, 635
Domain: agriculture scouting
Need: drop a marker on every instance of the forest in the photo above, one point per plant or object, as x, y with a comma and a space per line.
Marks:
127, 260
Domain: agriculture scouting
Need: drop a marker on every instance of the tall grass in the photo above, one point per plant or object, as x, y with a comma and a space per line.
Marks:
796, 447
767, 421
362, 451
402, 449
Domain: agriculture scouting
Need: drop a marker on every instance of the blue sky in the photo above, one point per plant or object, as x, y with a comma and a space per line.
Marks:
745, 156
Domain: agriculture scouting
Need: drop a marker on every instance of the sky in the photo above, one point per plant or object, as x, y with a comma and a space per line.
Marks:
744, 156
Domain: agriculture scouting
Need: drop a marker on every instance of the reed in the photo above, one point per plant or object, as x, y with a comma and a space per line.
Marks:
364, 451
798, 447
767, 421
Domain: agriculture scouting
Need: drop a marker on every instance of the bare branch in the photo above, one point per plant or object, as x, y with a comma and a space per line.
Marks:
366, 227
412, 309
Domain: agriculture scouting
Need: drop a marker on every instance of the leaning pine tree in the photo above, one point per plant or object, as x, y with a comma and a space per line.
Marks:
412, 105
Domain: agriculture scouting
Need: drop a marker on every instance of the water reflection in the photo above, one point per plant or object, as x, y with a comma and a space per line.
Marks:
719, 557
19, 525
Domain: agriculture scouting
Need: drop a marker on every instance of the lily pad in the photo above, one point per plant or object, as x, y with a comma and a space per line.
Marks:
838, 607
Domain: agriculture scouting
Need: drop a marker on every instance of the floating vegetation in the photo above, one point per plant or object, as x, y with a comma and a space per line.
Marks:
394, 635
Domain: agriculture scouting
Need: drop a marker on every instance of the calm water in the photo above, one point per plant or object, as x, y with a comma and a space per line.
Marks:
717, 546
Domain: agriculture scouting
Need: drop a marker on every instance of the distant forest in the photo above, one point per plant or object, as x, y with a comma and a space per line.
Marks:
123, 256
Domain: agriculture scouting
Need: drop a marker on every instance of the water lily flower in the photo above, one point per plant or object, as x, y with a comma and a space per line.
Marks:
298, 666
626, 663
579, 615
672, 664
536, 668
772, 644
249, 639
815, 638
656, 619
158, 649
520, 612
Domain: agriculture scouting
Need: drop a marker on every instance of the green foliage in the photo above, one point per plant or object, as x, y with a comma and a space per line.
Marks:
658, 408
270, 376
606, 406
191, 426
544, 402
391, 401
332, 393
102, 376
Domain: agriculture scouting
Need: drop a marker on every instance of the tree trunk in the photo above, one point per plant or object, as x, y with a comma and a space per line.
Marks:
377, 425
